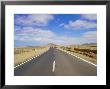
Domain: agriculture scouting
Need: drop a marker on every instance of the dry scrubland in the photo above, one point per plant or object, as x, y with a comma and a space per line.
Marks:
22, 54
87, 52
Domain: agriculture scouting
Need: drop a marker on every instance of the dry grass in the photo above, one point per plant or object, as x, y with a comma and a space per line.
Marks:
87, 52
22, 54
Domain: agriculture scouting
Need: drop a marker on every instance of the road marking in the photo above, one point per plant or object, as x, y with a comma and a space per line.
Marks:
53, 69
29, 60
85, 60
79, 57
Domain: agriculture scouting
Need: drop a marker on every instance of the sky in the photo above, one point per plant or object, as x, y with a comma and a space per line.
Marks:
61, 29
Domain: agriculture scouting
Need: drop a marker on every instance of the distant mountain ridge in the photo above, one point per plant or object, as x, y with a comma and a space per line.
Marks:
56, 45
51, 44
90, 44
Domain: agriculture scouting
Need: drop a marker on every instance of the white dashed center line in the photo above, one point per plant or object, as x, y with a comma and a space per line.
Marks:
53, 66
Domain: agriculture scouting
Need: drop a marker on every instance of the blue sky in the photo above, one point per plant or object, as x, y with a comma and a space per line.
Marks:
62, 29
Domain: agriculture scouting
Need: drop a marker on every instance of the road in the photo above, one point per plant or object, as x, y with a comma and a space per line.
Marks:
56, 63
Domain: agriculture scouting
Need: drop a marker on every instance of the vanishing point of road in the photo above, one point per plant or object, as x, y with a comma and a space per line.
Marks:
56, 63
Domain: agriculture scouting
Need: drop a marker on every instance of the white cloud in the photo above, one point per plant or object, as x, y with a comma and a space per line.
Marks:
84, 22
29, 31
80, 24
90, 37
29, 34
90, 34
62, 24
89, 16
34, 19
87, 37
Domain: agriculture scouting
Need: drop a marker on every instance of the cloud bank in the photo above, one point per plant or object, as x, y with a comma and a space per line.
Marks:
36, 28
29, 34
34, 19
87, 21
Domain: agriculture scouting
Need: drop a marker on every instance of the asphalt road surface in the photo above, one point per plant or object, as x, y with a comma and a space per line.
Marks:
56, 63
